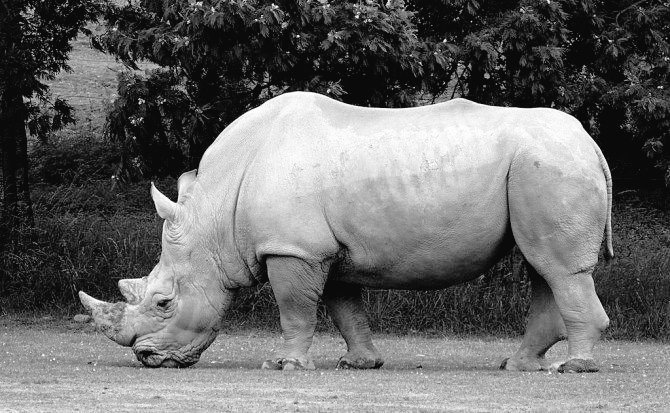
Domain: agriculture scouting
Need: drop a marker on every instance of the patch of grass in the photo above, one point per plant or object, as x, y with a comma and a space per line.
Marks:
635, 286
87, 237
72, 160
53, 361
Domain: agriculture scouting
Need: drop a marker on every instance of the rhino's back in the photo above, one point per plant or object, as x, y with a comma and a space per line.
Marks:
412, 198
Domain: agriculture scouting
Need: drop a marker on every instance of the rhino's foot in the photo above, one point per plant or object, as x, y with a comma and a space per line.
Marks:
358, 361
523, 364
578, 366
288, 364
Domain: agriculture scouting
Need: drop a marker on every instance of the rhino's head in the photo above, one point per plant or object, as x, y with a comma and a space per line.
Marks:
172, 315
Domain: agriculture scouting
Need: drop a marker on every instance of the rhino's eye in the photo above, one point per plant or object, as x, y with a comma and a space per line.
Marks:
163, 303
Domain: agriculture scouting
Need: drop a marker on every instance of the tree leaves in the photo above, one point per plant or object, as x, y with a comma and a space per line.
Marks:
598, 60
229, 56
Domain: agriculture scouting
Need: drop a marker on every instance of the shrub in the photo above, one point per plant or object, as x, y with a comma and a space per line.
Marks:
77, 159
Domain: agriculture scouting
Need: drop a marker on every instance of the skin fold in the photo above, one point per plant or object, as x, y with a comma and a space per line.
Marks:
322, 199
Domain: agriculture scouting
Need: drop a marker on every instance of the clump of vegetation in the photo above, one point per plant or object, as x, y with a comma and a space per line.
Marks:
635, 287
85, 237
62, 160
608, 64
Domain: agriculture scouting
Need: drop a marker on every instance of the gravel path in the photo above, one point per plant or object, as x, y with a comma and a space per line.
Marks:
50, 365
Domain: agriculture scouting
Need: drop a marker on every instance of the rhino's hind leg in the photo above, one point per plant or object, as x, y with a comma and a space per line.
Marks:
558, 219
584, 317
544, 328
297, 287
346, 309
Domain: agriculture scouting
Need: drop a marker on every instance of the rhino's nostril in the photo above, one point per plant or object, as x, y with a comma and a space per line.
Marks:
149, 358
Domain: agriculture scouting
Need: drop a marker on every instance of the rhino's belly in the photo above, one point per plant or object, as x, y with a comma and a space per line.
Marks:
420, 267
426, 250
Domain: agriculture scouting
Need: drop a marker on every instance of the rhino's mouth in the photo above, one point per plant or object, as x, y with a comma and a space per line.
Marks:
153, 359
148, 354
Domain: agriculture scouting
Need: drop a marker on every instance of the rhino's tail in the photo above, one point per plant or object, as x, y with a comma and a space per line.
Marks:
609, 254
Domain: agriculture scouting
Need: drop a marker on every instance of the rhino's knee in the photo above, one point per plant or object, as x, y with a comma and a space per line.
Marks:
603, 323
600, 319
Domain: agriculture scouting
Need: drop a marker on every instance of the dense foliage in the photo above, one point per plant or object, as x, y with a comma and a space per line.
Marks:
220, 58
608, 63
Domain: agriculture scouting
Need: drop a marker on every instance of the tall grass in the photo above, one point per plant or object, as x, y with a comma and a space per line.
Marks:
82, 239
87, 237
635, 286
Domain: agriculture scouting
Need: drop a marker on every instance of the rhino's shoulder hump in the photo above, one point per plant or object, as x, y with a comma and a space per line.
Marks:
298, 101
461, 102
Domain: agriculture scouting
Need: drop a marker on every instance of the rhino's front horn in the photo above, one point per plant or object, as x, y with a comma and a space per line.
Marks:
110, 319
133, 289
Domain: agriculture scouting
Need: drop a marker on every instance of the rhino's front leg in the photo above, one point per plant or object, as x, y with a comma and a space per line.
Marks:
297, 286
346, 309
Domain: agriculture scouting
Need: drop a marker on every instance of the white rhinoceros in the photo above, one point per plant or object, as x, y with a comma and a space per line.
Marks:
323, 198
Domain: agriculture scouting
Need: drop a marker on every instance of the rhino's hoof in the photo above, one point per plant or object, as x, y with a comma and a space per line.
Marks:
296, 364
288, 364
511, 364
578, 366
359, 363
272, 364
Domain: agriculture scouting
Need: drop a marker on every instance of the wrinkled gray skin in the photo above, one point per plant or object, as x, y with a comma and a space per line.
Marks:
322, 199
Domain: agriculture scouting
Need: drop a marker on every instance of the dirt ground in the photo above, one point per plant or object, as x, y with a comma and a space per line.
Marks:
48, 365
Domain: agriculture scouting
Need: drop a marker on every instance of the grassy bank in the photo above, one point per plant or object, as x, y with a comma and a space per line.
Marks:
88, 236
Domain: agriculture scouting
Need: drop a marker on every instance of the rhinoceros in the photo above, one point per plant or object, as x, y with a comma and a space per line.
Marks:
321, 199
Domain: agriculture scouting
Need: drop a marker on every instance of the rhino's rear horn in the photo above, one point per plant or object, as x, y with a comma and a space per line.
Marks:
133, 289
166, 209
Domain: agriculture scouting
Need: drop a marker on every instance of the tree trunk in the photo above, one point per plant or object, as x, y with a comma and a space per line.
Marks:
26, 215
9, 194
17, 211
23, 173
8, 146
17, 208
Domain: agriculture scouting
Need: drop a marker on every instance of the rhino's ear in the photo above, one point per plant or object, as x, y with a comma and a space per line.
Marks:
184, 183
167, 209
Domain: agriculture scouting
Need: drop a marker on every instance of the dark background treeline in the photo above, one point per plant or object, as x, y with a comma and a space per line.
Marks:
191, 67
